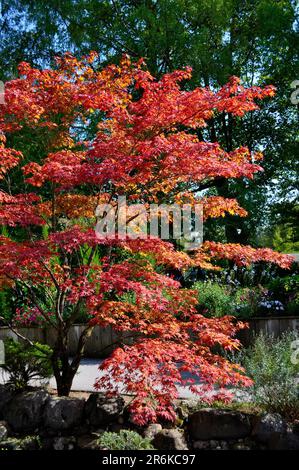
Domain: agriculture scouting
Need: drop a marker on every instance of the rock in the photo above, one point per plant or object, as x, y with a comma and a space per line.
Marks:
201, 445
116, 427
3, 430
210, 423
6, 395
287, 441
81, 430
24, 413
63, 413
64, 443
47, 443
241, 446
215, 444
268, 426
182, 413
152, 430
224, 445
88, 443
100, 410
31, 443
99, 431
247, 443
296, 426
170, 439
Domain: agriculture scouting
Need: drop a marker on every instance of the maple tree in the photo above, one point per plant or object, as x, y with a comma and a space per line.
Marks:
100, 134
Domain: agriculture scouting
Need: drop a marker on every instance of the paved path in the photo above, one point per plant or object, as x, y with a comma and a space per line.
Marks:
86, 376
88, 372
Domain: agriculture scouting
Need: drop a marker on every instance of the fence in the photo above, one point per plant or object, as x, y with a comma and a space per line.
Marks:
102, 340
274, 326
99, 344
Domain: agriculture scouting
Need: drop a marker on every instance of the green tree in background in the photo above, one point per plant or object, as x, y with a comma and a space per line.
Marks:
255, 39
282, 233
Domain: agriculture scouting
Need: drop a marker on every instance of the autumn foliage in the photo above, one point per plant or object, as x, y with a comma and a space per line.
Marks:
75, 136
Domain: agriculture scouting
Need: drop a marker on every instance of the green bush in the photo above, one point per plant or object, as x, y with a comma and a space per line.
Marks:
5, 306
274, 368
214, 300
24, 363
292, 307
285, 289
217, 300
246, 301
124, 440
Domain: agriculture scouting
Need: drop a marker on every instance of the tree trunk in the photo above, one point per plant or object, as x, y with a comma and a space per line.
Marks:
64, 385
65, 367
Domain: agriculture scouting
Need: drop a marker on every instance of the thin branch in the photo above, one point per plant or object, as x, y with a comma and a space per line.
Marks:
51, 274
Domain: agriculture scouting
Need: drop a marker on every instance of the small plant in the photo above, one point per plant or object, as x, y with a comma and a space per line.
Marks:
124, 440
292, 307
24, 363
275, 372
256, 301
246, 301
24, 443
214, 300
285, 290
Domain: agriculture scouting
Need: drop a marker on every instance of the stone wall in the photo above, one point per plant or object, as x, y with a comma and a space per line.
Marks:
37, 420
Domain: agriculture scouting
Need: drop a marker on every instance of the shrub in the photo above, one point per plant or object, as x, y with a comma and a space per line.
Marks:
256, 301
292, 307
217, 300
214, 300
285, 289
24, 363
124, 440
241, 407
244, 276
247, 301
270, 363
5, 307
